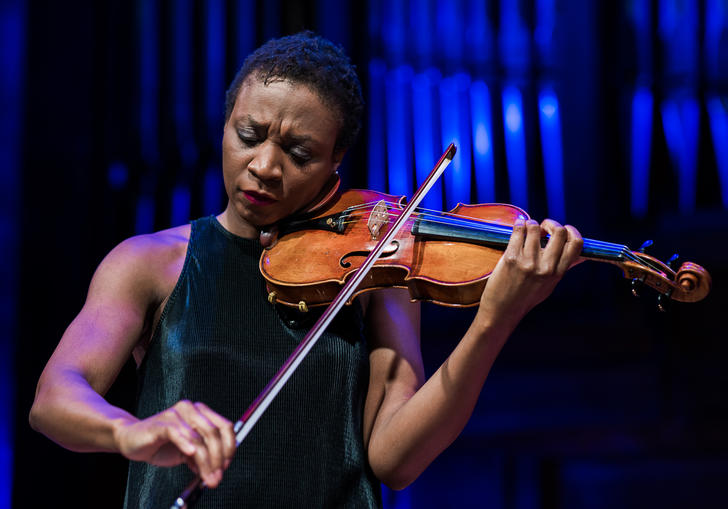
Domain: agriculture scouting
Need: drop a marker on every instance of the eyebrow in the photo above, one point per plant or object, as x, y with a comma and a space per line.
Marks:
249, 121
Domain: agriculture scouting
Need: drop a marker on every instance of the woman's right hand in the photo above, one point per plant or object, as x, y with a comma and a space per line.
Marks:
188, 433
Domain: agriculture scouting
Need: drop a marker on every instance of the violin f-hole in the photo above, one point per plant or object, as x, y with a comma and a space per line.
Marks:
390, 250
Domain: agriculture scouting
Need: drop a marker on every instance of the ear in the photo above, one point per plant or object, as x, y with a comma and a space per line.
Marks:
338, 157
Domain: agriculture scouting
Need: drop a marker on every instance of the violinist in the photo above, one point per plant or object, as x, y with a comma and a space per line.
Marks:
189, 304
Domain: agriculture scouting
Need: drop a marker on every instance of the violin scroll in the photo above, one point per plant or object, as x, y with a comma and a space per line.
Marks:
689, 283
694, 281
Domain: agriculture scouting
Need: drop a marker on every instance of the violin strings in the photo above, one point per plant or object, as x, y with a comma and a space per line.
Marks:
453, 219
475, 224
472, 223
609, 248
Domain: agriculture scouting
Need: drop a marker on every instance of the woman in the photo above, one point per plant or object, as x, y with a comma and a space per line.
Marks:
189, 304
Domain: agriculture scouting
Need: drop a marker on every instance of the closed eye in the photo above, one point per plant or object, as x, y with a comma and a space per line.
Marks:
249, 138
299, 155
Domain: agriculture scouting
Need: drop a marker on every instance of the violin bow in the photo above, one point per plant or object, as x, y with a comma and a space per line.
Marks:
245, 424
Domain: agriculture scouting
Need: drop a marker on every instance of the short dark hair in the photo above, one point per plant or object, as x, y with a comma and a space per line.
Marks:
308, 59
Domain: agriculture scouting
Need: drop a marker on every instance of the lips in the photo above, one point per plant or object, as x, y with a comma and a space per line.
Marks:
259, 199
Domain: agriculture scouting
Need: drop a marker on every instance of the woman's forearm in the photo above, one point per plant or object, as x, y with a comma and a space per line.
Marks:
425, 424
68, 411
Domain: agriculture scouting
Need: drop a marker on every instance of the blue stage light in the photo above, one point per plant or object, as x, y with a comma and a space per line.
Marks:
180, 205
480, 113
455, 121
641, 144
481, 138
514, 38
424, 99
212, 191
144, 221
718, 114
513, 115
215, 66
515, 146
552, 153
183, 79
680, 117
117, 175
399, 130
376, 136
450, 21
245, 13
13, 39
548, 106
393, 26
329, 14
716, 32
422, 41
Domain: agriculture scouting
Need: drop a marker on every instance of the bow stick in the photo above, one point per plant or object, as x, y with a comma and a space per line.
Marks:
193, 491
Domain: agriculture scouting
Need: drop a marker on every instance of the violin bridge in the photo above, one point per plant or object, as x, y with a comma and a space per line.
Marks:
377, 218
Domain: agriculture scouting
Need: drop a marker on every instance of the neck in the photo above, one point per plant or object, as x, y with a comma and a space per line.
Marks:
236, 225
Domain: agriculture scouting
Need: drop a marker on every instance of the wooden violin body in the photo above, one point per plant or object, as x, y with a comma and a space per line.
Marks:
440, 257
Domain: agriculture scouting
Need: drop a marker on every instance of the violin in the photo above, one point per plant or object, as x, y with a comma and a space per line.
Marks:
439, 257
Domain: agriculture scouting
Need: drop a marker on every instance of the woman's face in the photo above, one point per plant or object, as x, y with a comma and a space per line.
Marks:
278, 152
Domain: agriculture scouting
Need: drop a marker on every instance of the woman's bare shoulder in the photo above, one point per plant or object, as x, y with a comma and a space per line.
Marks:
151, 262
163, 243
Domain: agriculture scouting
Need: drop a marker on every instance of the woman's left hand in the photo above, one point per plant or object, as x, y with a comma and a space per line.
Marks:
527, 273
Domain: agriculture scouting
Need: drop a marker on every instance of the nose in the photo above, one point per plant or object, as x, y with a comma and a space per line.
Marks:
265, 165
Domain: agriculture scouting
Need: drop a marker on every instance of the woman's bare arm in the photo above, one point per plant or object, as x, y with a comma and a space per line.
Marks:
69, 407
408, 421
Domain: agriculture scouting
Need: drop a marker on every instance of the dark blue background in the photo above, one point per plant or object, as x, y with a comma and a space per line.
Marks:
612, 116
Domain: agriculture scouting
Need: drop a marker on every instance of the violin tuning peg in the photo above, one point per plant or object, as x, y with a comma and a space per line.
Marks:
637, 284
636, 287
661, 303
644, 246
674, 261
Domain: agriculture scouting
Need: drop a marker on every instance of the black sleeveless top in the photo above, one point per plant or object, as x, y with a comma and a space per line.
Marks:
219, 341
